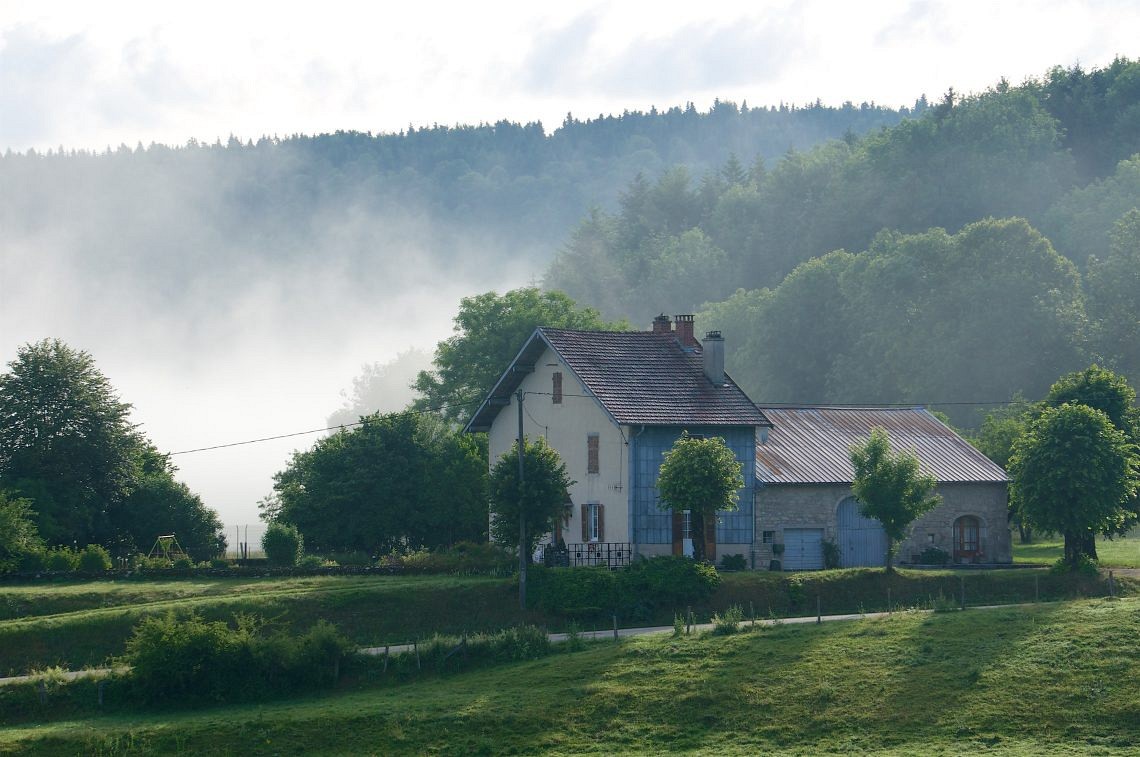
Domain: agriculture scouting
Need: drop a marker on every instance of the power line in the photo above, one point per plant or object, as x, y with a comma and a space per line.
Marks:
339, 427
439, 408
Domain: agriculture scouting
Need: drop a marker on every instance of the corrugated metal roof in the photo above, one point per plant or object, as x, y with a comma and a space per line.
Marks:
812, 445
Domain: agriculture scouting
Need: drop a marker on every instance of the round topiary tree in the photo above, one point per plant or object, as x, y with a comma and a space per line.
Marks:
283, 544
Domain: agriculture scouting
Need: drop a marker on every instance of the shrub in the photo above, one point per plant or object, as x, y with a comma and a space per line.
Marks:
219, 562
153, 563
94, 559
831, 554
283, 544
572, 591
61, 559
734, 562
183, 563
1086, 566
190, 659
311, 562
32, 562
668, 581
934, 556
355, 559
728, 622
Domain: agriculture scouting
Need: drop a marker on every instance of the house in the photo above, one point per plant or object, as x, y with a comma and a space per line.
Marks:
803, 490
611, 403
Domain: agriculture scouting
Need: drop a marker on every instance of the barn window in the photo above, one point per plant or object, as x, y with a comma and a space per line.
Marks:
556, 388
768, 537
592, 465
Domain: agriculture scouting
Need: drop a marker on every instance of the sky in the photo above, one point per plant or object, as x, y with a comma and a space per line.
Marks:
97, 75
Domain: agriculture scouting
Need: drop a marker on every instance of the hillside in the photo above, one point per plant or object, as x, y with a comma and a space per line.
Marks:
1052, 679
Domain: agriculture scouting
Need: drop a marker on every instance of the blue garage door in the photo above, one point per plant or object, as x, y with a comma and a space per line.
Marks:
803, 549
862, 540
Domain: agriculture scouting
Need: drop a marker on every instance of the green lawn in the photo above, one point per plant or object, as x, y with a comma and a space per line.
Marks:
1048, 679
76, 624
1121, 552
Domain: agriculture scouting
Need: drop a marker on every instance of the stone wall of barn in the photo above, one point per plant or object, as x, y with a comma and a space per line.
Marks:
814, 506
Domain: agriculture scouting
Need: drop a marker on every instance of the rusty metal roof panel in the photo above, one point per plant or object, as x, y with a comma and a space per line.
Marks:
811, 445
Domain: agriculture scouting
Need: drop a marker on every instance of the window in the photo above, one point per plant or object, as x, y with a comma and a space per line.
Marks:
556, 388
592, 453
593, 522
687, 524
768, 537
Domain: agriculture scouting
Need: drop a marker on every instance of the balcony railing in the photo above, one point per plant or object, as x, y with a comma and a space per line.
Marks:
611, 555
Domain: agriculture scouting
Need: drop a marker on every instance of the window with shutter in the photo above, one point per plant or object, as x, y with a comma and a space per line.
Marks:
592, 465
593, 522
556, 388
601, 522
585, 523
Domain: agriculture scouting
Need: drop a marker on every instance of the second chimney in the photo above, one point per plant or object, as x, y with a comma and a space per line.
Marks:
684, 331
662, 325
713, 349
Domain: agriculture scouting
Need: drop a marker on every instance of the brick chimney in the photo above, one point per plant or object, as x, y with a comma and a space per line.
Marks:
662, 325
713, 349
684, 331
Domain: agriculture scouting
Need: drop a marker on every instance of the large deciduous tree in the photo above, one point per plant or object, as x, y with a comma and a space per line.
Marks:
65, 441
890, 487
489, 329
542, 498
1075, 473
701, 476
67, 444
398, 480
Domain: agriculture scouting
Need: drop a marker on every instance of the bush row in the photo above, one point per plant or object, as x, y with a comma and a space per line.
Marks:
636, 592
194, 660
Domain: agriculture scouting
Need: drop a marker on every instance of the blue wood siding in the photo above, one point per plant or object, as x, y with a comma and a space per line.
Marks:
862, 540
649, 524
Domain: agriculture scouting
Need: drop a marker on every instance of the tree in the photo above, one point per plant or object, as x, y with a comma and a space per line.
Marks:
381, 388
542, 498
18, 534
1075, 473
701, 476
489, 330
890, 487
1000, 431
65, 441
1113, 302
1098, 388
397, 480
160, 504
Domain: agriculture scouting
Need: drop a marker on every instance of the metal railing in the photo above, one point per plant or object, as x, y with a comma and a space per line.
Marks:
611, 555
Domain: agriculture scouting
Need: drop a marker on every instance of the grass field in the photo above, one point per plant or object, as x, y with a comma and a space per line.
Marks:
1047, 679
78, 624
1121, 552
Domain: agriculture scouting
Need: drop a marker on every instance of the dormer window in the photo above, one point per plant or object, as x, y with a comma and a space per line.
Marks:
556, 387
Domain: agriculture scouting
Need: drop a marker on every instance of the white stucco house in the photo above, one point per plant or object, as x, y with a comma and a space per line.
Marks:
611, 404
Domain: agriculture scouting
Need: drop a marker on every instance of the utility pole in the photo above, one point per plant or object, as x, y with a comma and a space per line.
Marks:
522, 513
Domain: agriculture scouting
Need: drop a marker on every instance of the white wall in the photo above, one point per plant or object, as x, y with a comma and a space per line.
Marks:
566, 427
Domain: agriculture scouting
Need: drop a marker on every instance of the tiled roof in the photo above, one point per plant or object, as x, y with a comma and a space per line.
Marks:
639, 377
643, 378
811, 445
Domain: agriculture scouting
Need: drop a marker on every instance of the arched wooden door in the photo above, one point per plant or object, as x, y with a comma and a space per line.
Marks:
862, 540
967, 539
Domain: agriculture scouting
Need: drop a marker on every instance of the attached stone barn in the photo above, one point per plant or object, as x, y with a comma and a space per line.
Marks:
803, 495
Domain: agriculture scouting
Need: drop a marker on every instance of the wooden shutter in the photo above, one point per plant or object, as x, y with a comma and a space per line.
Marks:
592, 453
556, 389
678, 532
585, 523
601, 522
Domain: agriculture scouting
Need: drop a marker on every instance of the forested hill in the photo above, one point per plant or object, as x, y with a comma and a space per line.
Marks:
933, 299
461, 196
